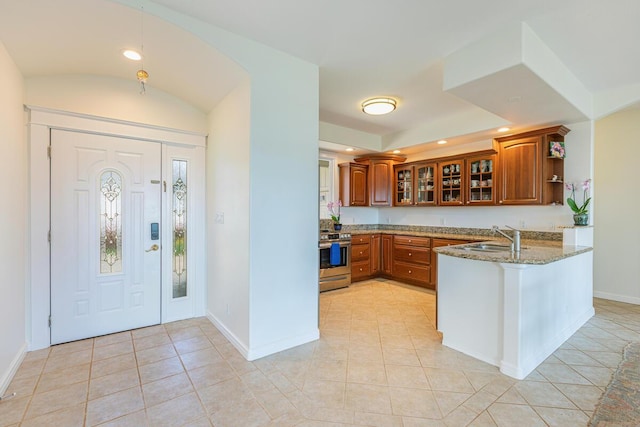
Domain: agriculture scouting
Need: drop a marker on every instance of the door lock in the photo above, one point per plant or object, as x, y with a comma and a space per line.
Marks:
153, 248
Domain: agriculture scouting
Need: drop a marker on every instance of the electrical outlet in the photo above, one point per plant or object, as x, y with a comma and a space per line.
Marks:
227, 309
219, 219
522, 224
443, 221
388, 220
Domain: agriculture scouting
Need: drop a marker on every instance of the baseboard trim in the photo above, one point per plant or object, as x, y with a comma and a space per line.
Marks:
266, 350
616, 297
7, 376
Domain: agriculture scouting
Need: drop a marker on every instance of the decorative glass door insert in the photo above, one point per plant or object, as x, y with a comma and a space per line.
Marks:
179, 221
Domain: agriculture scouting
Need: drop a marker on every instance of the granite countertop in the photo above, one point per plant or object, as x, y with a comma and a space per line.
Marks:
530, 254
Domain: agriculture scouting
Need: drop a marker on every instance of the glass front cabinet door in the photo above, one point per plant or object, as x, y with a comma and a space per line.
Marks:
480, 182
404, 185
452, 174
425, 184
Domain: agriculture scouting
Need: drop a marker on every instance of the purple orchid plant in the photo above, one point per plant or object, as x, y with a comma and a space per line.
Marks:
334, 211
571, 201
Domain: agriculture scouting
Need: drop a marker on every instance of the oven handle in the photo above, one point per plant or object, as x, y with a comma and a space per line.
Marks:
325, 245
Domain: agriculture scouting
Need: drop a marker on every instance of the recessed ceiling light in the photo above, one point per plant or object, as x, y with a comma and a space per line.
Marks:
396, 151
504, 129
132, 55
442, 141
349, 149
378, 106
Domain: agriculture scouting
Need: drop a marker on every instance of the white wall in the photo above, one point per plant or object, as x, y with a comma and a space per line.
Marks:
13, 227
114, 98
228, 154
617, 230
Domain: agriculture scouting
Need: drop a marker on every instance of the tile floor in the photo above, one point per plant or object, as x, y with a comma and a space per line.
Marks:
379, 362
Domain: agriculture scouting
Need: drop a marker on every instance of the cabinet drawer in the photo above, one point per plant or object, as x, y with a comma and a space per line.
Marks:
412, 254
419, 273
424, 242
360, 239
360, 252
360, 270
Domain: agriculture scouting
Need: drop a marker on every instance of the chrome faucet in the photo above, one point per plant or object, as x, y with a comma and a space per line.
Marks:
515, 240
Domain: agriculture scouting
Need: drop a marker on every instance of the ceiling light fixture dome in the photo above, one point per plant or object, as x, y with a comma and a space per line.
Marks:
132, 54
378, 106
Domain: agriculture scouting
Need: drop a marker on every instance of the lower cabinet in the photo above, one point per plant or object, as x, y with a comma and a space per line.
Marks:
386, 256
412, 260
361, 257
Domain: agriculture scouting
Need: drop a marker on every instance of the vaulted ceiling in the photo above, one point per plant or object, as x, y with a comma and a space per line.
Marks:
363, 48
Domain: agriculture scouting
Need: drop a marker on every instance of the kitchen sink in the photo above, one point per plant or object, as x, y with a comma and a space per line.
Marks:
488, 247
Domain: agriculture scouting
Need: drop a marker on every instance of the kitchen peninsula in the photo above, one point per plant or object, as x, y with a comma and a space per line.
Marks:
509, 309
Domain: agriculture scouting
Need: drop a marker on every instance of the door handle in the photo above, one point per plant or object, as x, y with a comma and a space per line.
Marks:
153, 248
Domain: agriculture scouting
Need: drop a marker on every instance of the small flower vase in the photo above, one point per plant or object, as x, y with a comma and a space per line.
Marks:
337, 227
581, 219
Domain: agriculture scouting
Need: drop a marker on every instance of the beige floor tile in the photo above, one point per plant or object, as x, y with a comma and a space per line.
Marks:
64, 361
597, 376
185, 408
136, 419
60, 398
483, 420
461, 416
209, 375
113, 406
112, 339
241, 365
12, 410
512, 396
325, 393
368, 398
543, 394
200, 422
607, 358
561, 373
401, 356
166, 389
67, 417
327, 369
257, 381
414, 403
377, 420
71, 347
509, 415
275, 403
148, 331
448, 380
155, 354
161, 369
113, 365
60, 378
150, 341
200, 358
366, 353
230, 392
38, 354
366, 372
193, 344
112, 350
563, 417
30, 368
113, 383
248, 414
406, 376
23, 386
185, 333
584, 397
448, 401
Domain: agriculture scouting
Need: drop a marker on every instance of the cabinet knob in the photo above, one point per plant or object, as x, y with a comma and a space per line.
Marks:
360, 252
409, 253
410, 240
360, 268
409, 271
468, 202
500, 201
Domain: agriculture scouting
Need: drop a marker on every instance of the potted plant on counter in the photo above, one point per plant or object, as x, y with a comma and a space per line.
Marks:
334, 212
580, 213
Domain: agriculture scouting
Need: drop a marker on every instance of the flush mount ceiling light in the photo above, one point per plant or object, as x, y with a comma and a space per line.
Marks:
442, 141
348, 149
396, 151
132, 54
504, 129
378, 106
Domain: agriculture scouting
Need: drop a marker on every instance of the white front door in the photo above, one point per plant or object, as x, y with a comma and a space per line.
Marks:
105, 234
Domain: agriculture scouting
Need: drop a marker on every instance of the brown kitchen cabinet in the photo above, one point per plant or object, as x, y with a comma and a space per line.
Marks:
380, 182
415, 184
386, 255
375, 253
452, 177
353, 184
525, 169
412, 260
480, 181
361, 257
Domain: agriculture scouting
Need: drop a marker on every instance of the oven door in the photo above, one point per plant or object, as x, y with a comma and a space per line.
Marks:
342, 267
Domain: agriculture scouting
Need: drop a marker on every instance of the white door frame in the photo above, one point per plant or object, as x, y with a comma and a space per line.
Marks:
39, 123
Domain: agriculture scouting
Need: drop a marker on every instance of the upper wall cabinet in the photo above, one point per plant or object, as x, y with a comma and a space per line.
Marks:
353, 184
526, 168
369, 181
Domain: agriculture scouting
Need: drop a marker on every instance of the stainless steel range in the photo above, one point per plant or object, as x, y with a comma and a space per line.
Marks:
335, 260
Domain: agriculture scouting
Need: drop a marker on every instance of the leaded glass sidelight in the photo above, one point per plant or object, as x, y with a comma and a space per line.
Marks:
179, 213
110, 222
